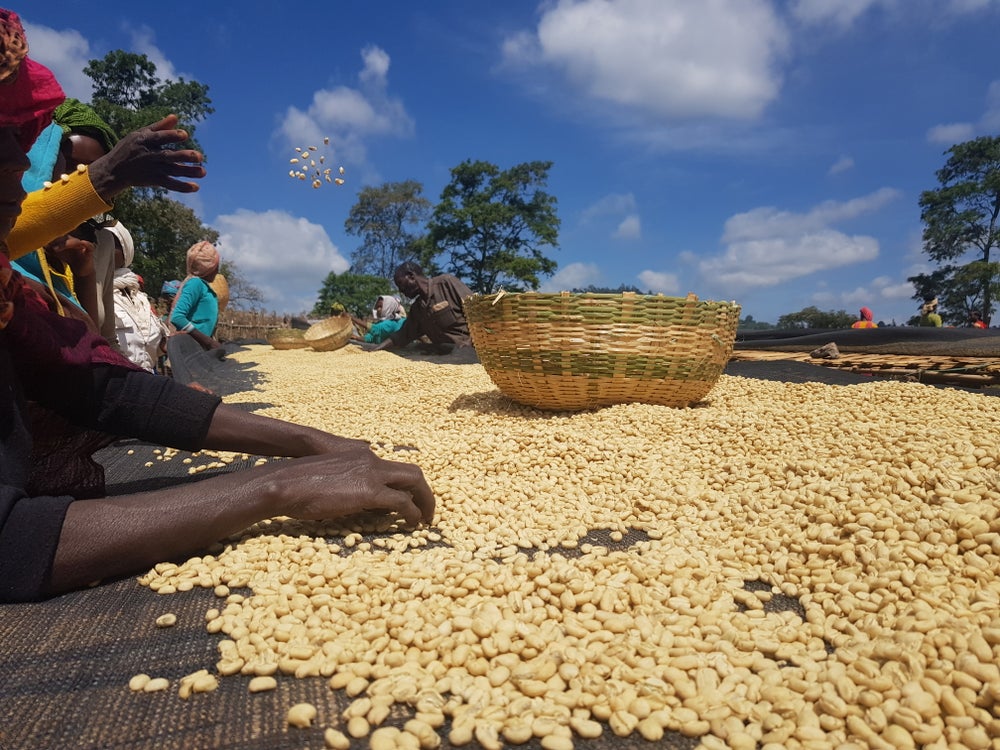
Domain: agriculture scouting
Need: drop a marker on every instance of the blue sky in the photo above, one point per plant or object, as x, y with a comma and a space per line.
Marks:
771, 153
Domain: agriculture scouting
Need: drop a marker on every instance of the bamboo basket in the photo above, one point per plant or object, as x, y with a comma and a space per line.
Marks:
329, 334
221, 288
581, 351
287, 338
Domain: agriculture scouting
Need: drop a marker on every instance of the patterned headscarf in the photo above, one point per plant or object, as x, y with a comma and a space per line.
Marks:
28, 91
867, 314
73, 116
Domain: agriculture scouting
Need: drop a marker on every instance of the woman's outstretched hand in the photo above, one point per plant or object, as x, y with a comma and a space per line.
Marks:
142, 159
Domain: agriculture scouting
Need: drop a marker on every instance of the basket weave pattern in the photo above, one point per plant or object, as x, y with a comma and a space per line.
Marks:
329, 334
287, 338
579, 351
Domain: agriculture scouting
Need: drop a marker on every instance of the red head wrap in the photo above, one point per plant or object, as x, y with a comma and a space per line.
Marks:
28, 91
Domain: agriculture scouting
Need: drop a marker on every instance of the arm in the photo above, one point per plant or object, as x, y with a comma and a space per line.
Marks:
115, 536
138, 160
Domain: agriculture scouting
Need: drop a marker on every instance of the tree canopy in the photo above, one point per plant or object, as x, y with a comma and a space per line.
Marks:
384, 217
129, 95
351, 292
961, 231
493, 224
813, 317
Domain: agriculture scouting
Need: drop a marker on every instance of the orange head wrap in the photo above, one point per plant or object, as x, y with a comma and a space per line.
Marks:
202, 259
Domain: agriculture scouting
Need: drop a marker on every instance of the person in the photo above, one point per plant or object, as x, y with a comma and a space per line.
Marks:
929, 316
53, 544
77, 136
389, 318
436, 311
196, 308
976, 319
140, 332
865, 319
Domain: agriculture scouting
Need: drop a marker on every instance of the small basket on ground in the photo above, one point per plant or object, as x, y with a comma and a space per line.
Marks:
287, 338
329, 334
581, 351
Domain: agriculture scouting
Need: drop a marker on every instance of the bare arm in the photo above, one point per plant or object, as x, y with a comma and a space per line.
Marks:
233, 429
116, 536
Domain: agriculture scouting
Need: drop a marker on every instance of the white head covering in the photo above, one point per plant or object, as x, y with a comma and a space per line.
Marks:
124, 237
391, 309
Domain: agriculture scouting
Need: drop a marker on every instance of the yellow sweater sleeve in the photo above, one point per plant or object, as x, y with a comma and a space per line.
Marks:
54, 211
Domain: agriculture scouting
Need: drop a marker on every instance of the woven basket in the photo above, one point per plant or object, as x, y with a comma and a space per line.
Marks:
287, 338
329, 334
581, 351
221, 288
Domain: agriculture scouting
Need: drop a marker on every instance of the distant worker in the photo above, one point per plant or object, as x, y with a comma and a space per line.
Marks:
389, 318
436, 311
865, 320
976, 319
929, 316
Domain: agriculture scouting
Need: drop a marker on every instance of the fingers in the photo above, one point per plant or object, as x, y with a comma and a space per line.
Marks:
400, 503
420, 494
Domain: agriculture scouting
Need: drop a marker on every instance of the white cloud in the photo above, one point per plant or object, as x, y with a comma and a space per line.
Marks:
766, 247
65, 53
843, 164
286, 257
616, 205
573, 276
951, 134
670, 59
839, 12
630, 228
843, 13
613, 204
349, 116
658, 282
144, 43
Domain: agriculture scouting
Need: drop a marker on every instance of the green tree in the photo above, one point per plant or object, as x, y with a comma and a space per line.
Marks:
163, 230
749, 324
353, 292
961, 230
492, 223
128, 95
813, 317
591, 289
383, 218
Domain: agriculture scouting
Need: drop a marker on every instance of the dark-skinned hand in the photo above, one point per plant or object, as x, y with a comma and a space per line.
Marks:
140, 159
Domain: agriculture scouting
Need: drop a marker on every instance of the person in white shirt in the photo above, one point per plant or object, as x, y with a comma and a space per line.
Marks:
140, 332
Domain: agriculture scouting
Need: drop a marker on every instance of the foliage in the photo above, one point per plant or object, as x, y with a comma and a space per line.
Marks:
129, 95
382, 218
749, 324
163, 230
961, 231
959, 290
813, 317
353, 292
242, 294
591, 289
492, 223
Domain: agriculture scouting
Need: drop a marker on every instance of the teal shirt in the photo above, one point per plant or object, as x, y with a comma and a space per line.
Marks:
382, 330
197, 307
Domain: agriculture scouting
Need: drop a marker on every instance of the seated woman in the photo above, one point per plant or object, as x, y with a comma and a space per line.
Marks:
55, 543
196, 308
389, 318
141, 334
